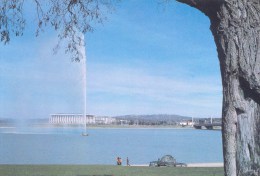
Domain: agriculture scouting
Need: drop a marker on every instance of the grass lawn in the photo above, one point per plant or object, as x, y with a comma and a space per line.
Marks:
104, 170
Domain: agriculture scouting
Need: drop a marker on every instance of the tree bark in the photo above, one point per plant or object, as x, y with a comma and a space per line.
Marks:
235, 25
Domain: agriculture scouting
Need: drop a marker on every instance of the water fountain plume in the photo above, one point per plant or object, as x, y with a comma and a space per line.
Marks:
82, 50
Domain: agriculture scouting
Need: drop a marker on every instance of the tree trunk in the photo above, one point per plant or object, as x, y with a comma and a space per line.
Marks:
235, 25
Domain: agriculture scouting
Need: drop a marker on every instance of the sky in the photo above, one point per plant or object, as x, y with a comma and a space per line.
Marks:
146, 58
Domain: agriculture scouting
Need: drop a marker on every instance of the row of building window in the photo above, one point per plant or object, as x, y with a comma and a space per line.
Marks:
79, 119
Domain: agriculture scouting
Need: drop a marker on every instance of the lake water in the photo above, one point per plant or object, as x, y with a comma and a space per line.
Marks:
102, 146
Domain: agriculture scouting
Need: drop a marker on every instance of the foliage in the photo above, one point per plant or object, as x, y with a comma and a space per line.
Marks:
70, 18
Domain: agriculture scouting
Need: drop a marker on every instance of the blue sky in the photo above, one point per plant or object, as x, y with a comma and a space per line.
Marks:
147, 58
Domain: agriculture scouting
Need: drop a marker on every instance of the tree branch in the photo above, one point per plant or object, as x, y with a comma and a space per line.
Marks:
192, 3
69, 18
208, 7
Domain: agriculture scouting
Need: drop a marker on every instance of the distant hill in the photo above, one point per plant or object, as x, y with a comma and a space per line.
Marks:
154, 117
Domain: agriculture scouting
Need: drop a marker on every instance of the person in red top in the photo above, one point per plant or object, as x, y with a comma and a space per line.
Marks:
118, 161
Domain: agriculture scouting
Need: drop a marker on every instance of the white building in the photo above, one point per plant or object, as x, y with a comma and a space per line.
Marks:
104, 120
77, 119
186, 123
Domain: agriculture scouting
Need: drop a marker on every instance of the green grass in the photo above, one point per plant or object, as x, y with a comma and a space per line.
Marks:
104, 170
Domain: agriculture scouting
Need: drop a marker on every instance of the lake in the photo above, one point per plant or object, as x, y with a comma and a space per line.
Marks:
102, 146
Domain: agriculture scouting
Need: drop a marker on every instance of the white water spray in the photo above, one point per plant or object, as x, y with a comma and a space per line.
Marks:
83, 56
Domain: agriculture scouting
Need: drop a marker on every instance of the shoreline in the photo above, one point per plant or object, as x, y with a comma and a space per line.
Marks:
205, 165
188, 165
192, 165
102, 127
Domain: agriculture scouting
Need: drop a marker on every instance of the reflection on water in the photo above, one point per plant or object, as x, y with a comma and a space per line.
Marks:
102, 146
